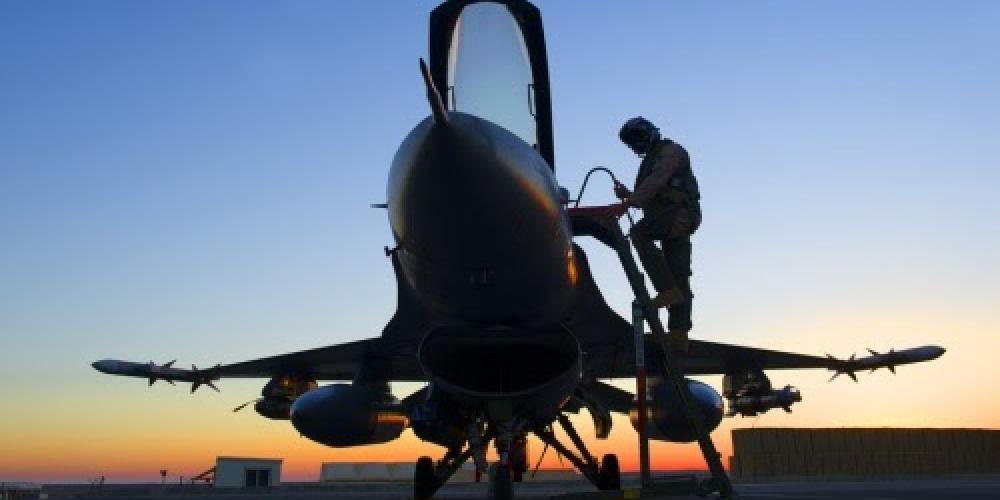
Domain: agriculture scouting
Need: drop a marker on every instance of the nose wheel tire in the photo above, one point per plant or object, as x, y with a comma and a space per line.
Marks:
501, 486
424, 480
609, 474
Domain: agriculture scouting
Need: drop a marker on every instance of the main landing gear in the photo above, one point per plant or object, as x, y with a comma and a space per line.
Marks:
428, 477
605, 475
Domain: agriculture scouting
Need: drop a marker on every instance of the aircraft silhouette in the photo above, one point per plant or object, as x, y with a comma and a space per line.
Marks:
497, 309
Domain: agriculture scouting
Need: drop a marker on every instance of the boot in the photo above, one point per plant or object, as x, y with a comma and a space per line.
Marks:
678, 339
668, 297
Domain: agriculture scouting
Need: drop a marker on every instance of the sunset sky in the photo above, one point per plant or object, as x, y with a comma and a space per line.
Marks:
191, 180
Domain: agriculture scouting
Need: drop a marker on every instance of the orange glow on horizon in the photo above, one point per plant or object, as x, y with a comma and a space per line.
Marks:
92, 425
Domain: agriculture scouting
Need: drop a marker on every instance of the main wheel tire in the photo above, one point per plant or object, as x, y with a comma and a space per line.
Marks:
424, 481
609, 474
503, 488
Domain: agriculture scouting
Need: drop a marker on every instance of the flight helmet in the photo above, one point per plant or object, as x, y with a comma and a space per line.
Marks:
639, 134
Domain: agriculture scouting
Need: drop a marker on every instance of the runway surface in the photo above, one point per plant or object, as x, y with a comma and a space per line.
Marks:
960, 488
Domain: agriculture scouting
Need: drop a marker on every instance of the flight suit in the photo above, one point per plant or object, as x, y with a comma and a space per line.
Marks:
667, 192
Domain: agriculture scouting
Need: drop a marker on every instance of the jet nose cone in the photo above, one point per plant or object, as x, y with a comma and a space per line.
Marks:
101, 366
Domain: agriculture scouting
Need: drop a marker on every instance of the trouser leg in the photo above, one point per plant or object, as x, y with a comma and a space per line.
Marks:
677, 253
652, 258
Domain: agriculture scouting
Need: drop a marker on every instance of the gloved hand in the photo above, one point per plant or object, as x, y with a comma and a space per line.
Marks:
621, 191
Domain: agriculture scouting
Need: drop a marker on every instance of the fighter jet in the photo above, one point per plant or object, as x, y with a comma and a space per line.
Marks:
497, 310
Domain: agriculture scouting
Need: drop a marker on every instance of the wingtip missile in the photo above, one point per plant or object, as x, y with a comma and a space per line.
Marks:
202, 377
889, 360
198, 383
843, 367
153, 372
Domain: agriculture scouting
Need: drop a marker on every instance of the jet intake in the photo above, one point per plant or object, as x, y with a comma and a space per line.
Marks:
348, 415
665, 420
536, 370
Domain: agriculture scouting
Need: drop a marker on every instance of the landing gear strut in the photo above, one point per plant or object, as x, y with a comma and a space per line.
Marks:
501, 486
604, 476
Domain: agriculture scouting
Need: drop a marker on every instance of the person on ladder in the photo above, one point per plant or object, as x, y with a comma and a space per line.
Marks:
667, 192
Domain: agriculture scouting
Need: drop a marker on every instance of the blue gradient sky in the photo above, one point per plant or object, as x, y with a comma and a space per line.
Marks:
191, 180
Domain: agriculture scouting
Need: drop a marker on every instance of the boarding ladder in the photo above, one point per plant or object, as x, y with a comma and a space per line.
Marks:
602, 223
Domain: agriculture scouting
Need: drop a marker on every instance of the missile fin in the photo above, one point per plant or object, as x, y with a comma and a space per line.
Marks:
892, 368
197, 383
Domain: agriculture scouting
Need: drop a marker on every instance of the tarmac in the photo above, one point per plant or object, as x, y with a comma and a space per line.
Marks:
962, 488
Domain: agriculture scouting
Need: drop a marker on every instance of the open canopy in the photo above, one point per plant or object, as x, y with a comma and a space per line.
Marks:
488, 58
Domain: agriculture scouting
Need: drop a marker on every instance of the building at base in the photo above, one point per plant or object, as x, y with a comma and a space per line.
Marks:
404, 472
237, 472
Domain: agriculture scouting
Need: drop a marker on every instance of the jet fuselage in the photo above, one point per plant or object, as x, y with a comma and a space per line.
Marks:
483, 237
484, 241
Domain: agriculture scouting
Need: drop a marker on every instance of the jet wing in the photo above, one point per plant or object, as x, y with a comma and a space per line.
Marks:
393, 355
609, 343
705, 358
702, 358
336, 362
617, 359
395, 350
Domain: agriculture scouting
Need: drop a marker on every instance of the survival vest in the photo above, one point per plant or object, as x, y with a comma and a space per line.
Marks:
682, 189
683, 183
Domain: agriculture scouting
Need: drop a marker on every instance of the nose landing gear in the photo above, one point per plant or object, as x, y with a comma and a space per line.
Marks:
501, 486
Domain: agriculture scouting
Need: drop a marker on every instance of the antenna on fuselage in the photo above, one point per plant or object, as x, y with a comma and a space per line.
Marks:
438, 110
